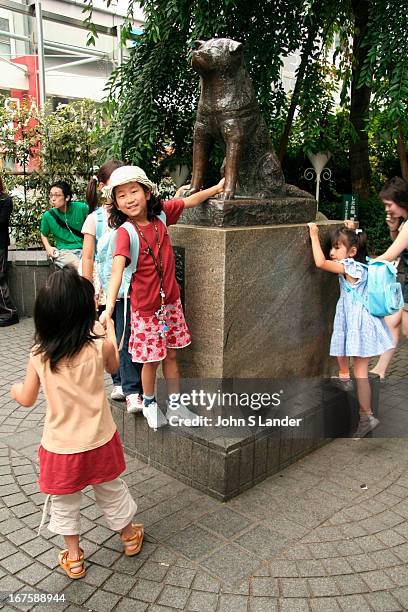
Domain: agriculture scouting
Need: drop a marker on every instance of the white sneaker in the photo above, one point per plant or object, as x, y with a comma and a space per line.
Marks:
366, 425
182, 413
117, 393
154, 416
134, 403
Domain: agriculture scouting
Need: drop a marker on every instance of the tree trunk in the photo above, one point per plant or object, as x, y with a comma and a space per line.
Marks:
296, 92
402, 153
360, 170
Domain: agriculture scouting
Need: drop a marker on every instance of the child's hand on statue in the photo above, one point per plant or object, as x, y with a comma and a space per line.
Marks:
350, 224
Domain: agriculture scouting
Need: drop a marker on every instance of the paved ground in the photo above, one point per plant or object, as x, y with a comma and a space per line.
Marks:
329, 533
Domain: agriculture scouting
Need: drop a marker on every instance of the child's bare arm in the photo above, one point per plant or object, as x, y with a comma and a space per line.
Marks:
50, 249
318, 255
118, 265
110, 348
88, 253
26, 393
201, 196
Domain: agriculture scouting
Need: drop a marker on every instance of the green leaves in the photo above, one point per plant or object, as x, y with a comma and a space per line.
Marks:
69, 142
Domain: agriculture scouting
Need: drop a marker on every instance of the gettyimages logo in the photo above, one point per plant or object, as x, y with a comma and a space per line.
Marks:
208, 401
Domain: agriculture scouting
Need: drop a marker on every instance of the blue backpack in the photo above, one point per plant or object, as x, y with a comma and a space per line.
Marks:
384, 292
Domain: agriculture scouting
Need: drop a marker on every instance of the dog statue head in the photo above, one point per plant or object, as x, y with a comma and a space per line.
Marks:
217, 55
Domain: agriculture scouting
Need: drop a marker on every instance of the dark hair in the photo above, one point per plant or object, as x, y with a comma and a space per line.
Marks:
65, 188
103, 175
117, 217
64, 315
2, 187
350, 239
396, 190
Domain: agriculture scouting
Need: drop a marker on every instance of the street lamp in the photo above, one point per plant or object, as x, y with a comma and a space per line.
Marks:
318, 160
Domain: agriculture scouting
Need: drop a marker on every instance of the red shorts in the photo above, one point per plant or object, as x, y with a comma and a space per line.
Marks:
145, 344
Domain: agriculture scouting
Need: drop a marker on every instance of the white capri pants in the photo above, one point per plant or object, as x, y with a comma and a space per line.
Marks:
113, 498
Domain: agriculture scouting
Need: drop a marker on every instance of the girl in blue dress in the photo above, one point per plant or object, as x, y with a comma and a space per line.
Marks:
356, 332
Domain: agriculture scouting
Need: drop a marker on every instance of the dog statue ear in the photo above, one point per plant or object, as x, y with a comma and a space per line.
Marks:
235, 47
198, 43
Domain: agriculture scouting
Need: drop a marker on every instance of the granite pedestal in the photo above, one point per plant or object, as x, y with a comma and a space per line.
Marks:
255, 303
260, 313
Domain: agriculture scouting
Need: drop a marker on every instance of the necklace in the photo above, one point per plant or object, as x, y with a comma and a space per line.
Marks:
158, 264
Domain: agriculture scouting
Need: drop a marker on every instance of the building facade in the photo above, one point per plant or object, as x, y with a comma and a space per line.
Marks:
55, 30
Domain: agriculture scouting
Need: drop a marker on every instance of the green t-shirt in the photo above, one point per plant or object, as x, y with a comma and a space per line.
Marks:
75, 217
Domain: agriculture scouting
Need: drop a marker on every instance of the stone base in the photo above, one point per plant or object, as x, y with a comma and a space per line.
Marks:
255, 303
243, 212
225, 461
259, 312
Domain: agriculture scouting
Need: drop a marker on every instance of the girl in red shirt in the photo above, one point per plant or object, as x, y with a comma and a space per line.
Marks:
158, 326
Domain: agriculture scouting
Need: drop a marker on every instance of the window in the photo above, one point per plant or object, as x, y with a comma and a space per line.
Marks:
55, 101
5, 45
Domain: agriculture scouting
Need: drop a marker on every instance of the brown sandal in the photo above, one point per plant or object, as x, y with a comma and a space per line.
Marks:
67, 564
134, 540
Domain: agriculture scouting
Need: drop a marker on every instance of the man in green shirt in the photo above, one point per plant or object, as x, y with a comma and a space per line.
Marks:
64, 221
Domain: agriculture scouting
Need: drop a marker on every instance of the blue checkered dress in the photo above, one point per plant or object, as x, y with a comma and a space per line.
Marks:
357, 333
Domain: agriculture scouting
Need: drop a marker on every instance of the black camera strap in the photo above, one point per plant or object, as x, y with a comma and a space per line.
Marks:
64, 224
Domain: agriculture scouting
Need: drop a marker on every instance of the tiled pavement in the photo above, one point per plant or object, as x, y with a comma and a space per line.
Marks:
329, 533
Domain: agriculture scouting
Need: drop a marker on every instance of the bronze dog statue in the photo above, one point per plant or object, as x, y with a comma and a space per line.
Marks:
228, 113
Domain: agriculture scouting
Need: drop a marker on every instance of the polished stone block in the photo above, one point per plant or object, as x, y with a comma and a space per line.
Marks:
242, 212
254, 301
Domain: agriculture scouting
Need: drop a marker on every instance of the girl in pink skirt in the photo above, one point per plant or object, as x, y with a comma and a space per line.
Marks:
158, 326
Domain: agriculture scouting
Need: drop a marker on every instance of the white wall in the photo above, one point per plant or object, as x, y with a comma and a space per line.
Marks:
11, 76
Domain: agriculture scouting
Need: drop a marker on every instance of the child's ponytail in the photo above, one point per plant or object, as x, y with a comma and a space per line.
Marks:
361, 254
102, 176
92, 194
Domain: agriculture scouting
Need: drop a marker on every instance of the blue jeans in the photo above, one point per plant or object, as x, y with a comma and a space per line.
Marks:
129, 374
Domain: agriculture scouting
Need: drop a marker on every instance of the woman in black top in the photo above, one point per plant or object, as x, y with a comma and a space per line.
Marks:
8, 312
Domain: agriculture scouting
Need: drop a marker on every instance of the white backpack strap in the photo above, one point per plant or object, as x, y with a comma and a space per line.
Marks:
134, 256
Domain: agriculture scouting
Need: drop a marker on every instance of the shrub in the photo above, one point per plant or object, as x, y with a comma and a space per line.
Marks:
66, 145
372, 220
